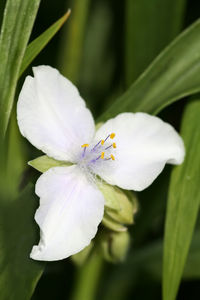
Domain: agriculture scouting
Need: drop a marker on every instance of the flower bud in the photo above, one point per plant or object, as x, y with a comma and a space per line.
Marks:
115, 246
120, 207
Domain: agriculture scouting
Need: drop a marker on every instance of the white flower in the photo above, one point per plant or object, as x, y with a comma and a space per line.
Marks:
129, 151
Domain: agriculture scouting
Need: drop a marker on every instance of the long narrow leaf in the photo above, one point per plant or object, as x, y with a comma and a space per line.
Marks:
175, 73
19, 16
2, 5
183, 204
148, 27
71, 50
35, 47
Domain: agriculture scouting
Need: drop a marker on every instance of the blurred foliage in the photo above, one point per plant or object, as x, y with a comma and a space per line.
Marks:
143, 45
104, 48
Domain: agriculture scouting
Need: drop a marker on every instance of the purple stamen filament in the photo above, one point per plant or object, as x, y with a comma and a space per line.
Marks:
108, 147
97, 147
107, 138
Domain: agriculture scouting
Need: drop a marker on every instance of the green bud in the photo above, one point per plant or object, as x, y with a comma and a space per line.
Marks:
44, 163
112, 224
80, 257
111, 194
115, 246
128, 207
120, 206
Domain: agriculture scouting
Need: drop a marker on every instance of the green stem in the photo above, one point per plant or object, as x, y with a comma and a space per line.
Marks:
87, 278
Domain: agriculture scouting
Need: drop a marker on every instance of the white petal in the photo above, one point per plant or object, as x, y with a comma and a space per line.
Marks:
70, 210
52, 115
144, 145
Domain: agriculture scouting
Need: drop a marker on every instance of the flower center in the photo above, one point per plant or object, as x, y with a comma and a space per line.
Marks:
93, 156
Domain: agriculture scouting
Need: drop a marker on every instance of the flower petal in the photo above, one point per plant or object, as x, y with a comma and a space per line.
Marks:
71, 208
52, 115
144, 145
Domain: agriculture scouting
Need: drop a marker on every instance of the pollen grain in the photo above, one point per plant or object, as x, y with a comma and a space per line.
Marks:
85, 145
102, 155
114, 145
112, 135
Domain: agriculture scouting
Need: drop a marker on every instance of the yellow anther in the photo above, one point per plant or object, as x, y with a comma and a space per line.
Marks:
102, 142
85, 145
114, 145
112, 135
112, 157
102, 155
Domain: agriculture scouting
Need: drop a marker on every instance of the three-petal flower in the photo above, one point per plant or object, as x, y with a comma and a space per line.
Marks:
129, 151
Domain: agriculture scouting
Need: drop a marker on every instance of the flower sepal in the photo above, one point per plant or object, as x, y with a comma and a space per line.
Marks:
44, 163
111, 224
120, 207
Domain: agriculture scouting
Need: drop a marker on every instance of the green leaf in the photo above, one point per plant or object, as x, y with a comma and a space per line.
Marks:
139, 37
35, 47
71, 48
2, 6
19, 274
174, 74
183, 204
96, 55
44, 163
17, 24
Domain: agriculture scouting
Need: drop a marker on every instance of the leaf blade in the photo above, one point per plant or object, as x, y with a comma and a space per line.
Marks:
17, 24
174, 74
154, 37
183, 204
71, 48
35, 47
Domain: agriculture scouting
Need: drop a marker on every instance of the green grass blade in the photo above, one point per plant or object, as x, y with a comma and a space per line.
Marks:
19, 274
155, 36
19, 16
2, 6
35, 47
175, 73
71, 47
183, 204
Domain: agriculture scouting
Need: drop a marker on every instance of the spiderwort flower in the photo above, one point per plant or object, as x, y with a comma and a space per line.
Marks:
128, 151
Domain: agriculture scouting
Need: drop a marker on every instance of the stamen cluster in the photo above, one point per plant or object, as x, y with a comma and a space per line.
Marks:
93, 156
